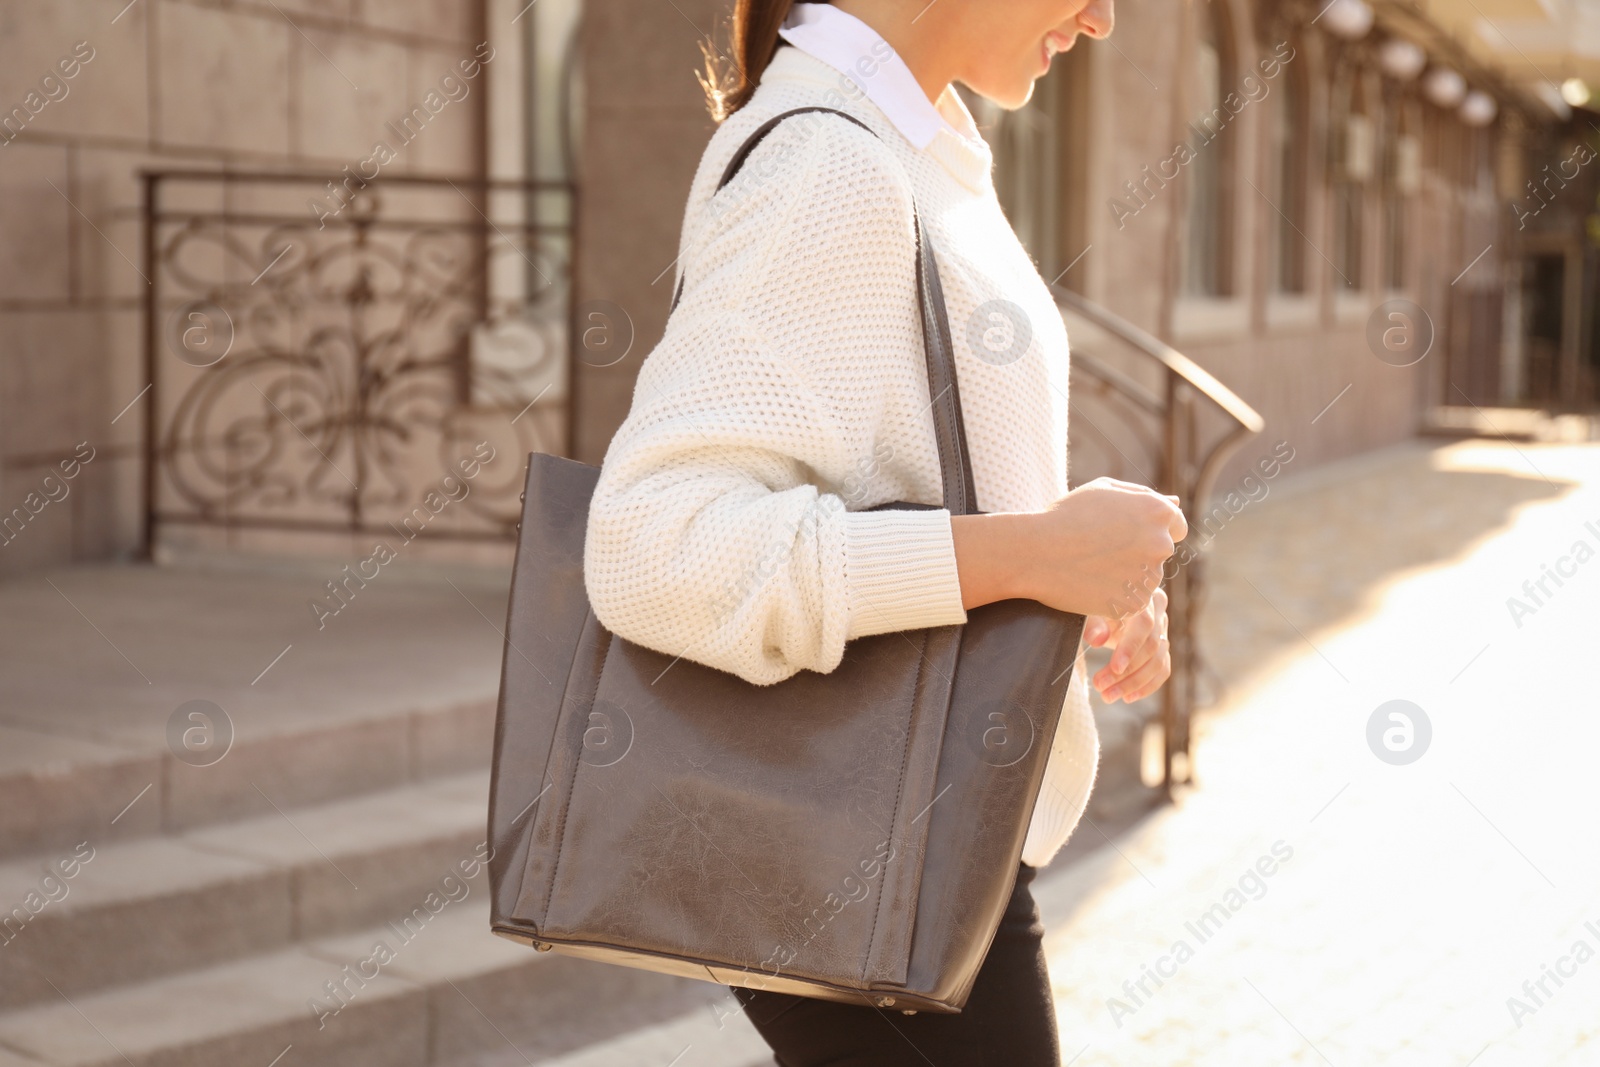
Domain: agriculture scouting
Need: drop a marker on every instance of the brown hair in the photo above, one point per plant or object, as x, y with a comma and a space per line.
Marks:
755, 41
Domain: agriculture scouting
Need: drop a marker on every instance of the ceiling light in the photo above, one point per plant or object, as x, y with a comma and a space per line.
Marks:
1350, 19
1478, 109
1575, 92
1401, 59
1444, 86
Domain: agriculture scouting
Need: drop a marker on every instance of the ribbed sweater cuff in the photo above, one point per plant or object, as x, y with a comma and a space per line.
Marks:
900, 570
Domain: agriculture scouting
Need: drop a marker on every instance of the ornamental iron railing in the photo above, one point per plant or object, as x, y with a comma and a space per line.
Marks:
327, 358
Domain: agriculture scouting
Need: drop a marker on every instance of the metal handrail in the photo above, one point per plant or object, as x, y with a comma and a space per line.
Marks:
1184, 470
1170, 358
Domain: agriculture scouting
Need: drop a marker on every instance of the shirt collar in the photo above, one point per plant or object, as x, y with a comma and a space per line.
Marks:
858, 52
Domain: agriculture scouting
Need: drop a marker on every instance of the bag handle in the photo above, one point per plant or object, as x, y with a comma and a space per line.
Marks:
955, 464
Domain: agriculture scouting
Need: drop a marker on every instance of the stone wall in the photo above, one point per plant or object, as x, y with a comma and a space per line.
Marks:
645, 126
295, 84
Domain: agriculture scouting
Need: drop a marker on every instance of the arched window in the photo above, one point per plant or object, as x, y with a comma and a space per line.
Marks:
1291, 119
1207, 262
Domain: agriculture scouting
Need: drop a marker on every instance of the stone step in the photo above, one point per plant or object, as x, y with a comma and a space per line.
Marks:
58, 792
692, 1040
153, 906
104, 667
444, 993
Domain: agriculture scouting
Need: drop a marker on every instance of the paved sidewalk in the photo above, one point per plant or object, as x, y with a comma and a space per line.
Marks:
1313, 904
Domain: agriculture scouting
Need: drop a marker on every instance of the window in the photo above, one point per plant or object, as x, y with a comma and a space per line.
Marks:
1041, 168
1353, 136
1206, 262
1402, 175
1290, 119
1027, 157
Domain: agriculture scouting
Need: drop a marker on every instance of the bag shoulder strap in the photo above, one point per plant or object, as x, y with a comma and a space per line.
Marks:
955, 465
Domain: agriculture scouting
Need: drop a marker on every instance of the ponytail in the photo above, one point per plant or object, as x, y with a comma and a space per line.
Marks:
729, 81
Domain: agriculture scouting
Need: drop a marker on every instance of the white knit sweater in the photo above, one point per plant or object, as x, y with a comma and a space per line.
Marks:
789, 392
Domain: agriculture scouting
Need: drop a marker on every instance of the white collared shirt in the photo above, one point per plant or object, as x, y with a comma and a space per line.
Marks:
861, 54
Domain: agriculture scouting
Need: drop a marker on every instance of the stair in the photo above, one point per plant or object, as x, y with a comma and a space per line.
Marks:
158, 914
695, 1039
443, 992
233, 941
241, 888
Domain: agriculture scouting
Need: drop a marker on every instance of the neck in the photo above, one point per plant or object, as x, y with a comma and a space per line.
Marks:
914, 38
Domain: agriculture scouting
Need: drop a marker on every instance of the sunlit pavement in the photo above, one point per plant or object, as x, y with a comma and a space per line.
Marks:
1311, 903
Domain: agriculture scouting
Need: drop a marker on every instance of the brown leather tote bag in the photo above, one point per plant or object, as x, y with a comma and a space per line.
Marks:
852, 836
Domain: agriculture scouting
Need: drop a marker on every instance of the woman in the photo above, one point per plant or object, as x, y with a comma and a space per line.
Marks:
789, 394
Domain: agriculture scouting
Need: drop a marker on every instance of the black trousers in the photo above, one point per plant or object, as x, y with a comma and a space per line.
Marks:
1009, 1019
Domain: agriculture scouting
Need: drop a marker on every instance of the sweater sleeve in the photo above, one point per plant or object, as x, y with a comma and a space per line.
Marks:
727, 526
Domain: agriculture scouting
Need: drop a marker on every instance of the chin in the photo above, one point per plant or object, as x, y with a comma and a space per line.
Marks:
1011, 94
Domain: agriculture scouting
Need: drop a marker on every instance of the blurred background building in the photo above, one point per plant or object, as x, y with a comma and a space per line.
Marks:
275, 275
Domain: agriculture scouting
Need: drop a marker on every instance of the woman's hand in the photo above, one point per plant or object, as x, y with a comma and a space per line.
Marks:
1143, 659
1099, 549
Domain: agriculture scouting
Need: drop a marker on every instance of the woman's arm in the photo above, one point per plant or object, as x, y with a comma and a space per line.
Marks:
1096, 551
794, 355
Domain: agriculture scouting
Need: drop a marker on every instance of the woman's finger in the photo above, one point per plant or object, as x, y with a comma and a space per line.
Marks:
1177, 525
1137, 629
1145, 679
1134, 647
1139, 658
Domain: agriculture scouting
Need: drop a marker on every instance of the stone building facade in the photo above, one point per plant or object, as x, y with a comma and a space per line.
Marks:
289, 86
1319, 186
